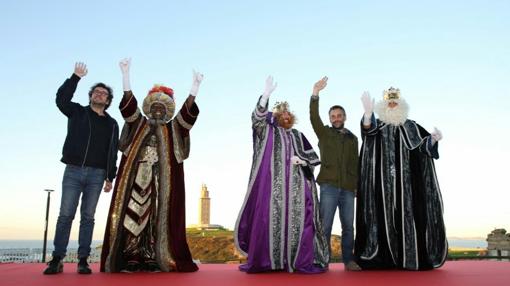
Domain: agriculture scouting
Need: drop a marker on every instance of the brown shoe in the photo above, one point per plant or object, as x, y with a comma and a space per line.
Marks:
352, 266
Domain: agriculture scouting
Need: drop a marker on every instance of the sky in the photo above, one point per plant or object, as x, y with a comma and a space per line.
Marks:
450, 59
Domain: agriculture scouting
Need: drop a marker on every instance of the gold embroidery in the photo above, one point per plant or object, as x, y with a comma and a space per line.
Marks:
183, 122
137, 208
121, 191
134, 227
163, 254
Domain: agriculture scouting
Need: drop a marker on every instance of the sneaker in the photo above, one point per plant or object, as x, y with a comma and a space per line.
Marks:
352, 266
83, 266
54, 266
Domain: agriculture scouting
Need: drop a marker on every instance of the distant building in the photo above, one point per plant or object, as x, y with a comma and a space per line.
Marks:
204, 212
498, 243
204, 209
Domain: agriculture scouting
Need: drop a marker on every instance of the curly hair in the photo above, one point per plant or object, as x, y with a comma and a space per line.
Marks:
109, 89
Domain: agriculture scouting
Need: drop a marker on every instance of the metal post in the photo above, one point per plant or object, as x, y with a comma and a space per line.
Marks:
46, 224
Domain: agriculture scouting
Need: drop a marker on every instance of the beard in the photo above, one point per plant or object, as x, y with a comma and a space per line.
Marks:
287, 124
340, 125
395, 116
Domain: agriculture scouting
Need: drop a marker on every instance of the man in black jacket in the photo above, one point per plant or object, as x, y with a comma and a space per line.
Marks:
90, 155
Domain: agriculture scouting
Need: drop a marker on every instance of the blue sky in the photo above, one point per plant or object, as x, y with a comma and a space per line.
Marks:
450, 59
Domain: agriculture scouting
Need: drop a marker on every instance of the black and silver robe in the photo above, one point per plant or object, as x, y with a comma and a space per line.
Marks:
399, 220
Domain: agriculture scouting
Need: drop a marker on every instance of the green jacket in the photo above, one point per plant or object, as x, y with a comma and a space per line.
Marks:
339, 152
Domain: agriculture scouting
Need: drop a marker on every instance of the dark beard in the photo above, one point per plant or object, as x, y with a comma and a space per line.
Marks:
98, 105
339, 128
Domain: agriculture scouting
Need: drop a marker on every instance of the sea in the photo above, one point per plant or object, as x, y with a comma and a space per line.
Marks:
73, 244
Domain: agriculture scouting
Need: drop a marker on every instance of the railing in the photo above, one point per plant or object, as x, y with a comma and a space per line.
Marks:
31, 255
28, 255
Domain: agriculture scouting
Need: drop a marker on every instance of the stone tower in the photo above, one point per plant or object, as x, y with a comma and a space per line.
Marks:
204, 213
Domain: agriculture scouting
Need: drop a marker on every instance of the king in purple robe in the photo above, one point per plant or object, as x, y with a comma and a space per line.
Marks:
278, 227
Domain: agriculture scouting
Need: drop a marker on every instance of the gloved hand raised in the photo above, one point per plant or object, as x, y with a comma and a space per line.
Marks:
124, 65
269, 88
368, 107
197, 80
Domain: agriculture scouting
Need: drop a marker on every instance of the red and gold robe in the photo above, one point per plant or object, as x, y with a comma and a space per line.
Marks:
171, 248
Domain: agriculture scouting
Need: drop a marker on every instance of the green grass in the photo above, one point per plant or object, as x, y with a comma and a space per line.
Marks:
194, 232
462, 253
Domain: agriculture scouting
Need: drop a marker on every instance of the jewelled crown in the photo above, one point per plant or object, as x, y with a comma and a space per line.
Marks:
391, 93
280, 107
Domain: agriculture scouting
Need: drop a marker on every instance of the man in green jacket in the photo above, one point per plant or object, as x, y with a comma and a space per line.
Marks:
338, 176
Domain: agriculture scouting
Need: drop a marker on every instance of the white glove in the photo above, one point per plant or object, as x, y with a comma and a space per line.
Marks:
297, 161
436, 136
124, 67
270, 87
197, 80
368, 106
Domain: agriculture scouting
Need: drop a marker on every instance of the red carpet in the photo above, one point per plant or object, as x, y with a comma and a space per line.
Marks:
452, 273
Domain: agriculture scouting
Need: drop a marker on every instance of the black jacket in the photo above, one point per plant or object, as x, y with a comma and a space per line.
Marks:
78, 129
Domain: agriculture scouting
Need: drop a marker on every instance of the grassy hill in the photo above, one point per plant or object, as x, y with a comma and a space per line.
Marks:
217, 246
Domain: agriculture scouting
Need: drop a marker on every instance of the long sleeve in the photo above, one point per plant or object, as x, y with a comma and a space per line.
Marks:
181, 125
129, 107
374, 128
187, 117
132, 118
65, 94
259, 118
431, 150
315, 119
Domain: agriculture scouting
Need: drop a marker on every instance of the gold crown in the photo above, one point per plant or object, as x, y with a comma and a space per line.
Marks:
280, 107
391, 93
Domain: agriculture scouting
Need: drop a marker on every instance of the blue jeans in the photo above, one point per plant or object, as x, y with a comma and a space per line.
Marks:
85, 181
332, 197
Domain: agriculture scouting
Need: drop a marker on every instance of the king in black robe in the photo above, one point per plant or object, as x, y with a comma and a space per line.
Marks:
399, 220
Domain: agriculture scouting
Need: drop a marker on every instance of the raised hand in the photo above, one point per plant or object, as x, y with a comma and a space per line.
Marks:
197, 80
124, 65
270, 87
368, 103
197, 77
80, 69
320, 85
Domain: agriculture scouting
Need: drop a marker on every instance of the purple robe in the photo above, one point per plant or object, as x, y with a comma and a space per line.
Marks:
278, 227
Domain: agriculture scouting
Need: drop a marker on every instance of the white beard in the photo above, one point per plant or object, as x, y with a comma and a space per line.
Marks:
395, 116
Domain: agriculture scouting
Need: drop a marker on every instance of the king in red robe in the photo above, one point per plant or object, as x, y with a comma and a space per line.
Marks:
146, 223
